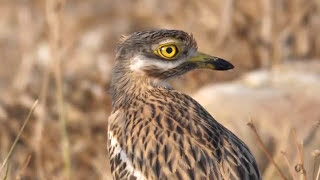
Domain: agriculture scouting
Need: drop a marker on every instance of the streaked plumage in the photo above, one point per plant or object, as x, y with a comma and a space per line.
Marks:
155, 132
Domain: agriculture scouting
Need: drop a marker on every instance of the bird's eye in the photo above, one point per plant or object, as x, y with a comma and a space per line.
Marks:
168, 51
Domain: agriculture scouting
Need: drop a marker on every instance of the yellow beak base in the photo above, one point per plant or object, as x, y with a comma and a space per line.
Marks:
210, 62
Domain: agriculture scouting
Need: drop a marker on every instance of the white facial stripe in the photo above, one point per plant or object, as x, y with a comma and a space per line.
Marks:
169, 41
140, 61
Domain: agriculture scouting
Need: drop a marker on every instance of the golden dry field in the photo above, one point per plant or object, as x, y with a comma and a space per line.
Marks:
61, 53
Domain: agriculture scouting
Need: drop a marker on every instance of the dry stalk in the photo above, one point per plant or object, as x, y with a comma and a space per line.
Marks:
288, 164
54, 19
26, 43
300, 153
226, 21
264, 149
288, 30
7, 172
18, 136
318, 174
266, 32
23, 168
38, 136
316, 155
41, 120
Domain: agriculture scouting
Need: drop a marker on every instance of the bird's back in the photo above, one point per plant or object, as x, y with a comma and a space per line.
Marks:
164, 134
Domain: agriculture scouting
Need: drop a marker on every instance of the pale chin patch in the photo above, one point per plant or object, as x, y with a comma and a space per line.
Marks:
139, 62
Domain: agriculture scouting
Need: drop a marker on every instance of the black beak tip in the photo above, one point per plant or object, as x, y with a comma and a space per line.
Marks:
222, 65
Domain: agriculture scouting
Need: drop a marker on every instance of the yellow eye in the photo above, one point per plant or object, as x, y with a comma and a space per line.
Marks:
168, 51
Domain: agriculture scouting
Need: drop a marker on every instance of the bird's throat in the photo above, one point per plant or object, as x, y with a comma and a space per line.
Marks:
128, 86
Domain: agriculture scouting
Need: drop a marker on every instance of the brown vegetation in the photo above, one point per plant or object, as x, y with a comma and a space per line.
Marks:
61, 52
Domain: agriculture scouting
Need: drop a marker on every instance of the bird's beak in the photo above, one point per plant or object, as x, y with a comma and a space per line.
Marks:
210, 62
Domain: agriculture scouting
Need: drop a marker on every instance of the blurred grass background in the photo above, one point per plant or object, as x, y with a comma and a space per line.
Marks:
61, 52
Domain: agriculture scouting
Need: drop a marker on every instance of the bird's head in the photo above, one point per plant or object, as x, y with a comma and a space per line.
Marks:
162, 54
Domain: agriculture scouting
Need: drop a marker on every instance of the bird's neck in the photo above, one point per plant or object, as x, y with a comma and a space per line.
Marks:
127, 86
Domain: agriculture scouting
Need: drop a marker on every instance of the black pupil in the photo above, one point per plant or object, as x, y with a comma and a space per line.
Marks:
169, 50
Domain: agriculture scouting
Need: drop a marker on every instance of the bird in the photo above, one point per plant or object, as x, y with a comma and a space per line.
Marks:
157, 132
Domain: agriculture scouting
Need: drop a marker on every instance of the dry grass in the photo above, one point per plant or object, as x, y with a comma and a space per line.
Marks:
5, 161
264, 149
316, 155
299, 168
62, 53
54, 14
288, 163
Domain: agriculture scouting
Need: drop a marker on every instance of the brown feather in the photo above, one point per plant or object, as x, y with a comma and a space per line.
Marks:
159, 133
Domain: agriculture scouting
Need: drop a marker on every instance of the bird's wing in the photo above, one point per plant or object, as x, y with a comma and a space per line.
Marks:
175, 138
120, 164
232, 158
223, 154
